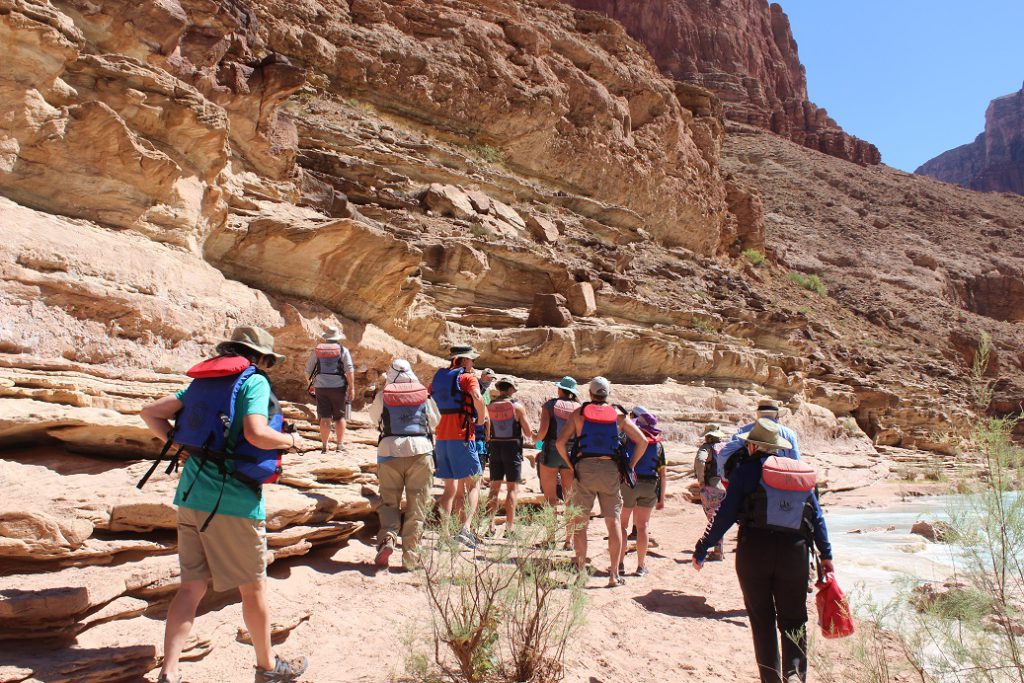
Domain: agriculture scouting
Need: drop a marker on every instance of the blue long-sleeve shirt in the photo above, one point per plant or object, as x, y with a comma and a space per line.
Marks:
744, 481
736, 443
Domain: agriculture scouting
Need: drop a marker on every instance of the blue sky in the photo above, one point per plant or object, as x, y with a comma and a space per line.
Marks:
912, 76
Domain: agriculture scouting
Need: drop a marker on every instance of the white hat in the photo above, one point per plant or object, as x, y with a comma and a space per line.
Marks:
400, 372
599, 386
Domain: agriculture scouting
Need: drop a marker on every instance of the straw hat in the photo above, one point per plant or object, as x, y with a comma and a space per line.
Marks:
768, 406
332, 335
714, 431
255, 338
766, 435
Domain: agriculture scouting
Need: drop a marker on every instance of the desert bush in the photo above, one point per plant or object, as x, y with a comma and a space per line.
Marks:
505, 611
755, 256
809, 282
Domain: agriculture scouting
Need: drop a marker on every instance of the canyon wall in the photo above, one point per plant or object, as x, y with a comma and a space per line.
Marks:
744, 52
994, 162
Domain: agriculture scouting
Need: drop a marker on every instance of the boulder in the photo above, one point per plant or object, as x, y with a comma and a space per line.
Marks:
939, 532
542, 229
580, 299
549, 310
448, 200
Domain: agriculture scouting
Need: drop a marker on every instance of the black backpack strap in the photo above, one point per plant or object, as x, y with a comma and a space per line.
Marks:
159, 459
216, 506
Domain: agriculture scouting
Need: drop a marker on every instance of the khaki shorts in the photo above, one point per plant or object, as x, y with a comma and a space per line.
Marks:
598, 479
645, 495
232, 551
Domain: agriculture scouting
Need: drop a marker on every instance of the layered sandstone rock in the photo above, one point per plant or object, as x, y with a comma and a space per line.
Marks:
994, 162
743, 51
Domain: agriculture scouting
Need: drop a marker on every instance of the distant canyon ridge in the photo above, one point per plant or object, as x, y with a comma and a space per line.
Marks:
994, 162
744, 52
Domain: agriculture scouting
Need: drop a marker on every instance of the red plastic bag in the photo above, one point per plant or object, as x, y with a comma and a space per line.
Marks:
834, 615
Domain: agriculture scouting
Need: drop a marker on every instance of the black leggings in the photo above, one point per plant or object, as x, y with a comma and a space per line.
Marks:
773, 571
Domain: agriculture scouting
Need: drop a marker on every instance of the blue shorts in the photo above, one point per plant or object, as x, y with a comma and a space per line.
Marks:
456, 460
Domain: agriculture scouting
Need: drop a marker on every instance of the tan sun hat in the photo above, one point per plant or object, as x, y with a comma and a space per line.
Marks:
768, 407
332, 334
255, 338
463, 351
507, 380
766, 435
714, 431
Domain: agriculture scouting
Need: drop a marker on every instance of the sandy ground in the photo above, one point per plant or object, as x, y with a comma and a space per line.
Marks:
672, 625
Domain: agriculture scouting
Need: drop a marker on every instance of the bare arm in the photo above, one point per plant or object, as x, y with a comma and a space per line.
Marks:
350, 382
258, 432
636, 436
568, 432
542, 430
158, 415
524, 423
478, 404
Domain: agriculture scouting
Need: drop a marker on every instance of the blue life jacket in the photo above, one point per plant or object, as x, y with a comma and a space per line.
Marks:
600, 433
504, 422
782, 500
447, 394
647, 466
201, 427
405, 410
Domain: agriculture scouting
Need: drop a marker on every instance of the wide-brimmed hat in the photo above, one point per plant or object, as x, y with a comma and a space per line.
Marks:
599, 386
713, 431
766, 435
567, 383
400, 372
332, 334
463, 351
506, 380
767, 406
645, 420
488, 371
255, 338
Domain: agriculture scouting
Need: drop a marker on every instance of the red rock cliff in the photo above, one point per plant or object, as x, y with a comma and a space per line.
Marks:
994, 162
744, 51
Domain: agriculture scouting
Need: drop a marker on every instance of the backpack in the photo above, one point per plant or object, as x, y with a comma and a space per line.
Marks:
709, 469
600, 433
559, 412
782, 500
504, 421
202, 425
647, 465
405, 410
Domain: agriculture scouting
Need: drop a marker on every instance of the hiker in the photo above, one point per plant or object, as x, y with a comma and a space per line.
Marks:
552, 470
487, 378
221, 512
649, 493
773, 500
598, 467
707, 469
768, 409
456, 390
506, 430
407, 418
332, 379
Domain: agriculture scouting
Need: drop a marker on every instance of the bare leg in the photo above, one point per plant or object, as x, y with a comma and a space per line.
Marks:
447, 501
624, 521
614, 548
469, 493
642, 519
568, 482
510, 505
492, 499
579, 523
180, 616
325, 432
256, 615
339, 432
549, 484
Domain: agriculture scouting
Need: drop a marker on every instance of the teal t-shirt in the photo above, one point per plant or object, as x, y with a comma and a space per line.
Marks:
238, 500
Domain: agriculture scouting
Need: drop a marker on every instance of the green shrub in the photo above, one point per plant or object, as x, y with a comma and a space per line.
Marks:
809, 282
755, 256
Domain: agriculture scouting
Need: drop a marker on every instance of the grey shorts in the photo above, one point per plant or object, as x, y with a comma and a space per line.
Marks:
645, 495
331, 404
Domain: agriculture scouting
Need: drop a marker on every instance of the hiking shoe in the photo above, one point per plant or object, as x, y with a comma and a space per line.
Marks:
622, 568
467, 539
164, 678
284, 671
641, 571
323, 449
715, 556
384, 551
410, 562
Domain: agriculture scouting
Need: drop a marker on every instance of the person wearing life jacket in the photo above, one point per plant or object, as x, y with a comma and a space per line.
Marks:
229, 421
772, 498
640, 501
507, 428
707, 468
456, 390
766, 408
597, 465
552, 470
332, 380
407, 418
